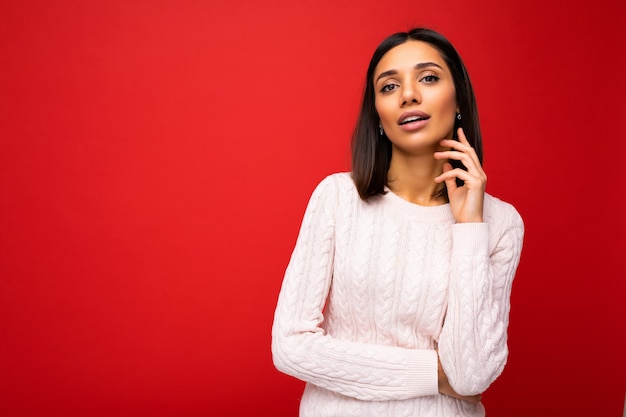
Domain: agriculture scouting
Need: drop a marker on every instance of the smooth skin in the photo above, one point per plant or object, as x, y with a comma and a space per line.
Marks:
413, 80
466, 202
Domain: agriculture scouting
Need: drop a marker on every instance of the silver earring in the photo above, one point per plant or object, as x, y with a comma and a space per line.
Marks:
380, 127
458, 116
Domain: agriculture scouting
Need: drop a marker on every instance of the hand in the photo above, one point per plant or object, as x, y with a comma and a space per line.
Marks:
446, 389
466, 202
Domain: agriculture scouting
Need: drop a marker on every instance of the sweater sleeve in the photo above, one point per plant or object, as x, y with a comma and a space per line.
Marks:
300, 346
473, 343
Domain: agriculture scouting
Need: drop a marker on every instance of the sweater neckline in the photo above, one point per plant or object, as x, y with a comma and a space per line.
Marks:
440, 213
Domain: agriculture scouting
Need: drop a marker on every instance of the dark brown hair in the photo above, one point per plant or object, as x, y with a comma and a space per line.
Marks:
371, 152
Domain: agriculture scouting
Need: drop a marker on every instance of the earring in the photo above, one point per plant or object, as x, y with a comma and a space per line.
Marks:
458, 116
380, 127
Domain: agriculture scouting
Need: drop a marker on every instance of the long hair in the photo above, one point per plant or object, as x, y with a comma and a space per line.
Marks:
371, 152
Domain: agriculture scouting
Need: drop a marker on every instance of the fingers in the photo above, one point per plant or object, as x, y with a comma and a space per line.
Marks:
449, 175
474, 399
461, 135
460, 150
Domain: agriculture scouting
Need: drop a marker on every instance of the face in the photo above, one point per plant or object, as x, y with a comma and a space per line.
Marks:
415, 96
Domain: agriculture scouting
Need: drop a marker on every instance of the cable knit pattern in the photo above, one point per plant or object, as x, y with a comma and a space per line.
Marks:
373, 287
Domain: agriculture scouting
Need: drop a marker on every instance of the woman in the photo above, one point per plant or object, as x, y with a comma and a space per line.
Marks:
396, 299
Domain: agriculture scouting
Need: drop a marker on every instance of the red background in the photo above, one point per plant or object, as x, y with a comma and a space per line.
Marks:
156, 158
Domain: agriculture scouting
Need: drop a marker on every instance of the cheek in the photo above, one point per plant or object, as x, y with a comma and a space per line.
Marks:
448, 109
382, 109
448, 103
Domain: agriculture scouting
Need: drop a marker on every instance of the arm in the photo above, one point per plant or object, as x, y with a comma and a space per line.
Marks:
473, 342
301, 347
472, 345
446, 389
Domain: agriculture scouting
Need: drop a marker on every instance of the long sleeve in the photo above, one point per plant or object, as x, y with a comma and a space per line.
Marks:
473, 343
300, 345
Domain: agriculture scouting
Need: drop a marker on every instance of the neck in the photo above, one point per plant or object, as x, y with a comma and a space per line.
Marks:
412, 177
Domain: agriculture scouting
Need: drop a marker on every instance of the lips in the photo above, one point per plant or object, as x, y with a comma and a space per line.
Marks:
412, 117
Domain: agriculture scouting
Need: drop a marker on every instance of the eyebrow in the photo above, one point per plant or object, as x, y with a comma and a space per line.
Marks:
419, 66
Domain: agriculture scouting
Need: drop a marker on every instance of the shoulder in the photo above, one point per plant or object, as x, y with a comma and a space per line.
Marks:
339, 184
333, 191
332, 196
339, 179
496, 208
502, 216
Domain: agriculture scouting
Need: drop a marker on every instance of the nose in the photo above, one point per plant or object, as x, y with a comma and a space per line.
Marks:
410, 93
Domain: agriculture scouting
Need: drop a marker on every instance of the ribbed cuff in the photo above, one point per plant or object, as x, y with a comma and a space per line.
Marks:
423, 377
470, 239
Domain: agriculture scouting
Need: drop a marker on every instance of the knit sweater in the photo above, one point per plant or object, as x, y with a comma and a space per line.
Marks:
373, 288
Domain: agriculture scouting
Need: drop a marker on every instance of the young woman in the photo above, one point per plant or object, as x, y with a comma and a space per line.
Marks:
396, 299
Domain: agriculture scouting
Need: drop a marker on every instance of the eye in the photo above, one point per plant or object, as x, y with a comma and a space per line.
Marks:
388, 88
429, 79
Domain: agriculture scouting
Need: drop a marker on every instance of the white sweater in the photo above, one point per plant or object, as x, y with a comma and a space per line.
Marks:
372, 288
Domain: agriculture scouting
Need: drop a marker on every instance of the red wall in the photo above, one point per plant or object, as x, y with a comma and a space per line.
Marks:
156, 158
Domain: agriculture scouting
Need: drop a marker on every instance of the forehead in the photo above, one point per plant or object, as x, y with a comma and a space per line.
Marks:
409, 54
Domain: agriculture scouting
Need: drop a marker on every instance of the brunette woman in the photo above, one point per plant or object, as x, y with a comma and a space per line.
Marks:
396, 299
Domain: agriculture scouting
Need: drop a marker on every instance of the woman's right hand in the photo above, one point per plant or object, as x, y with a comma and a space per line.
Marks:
446, 389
